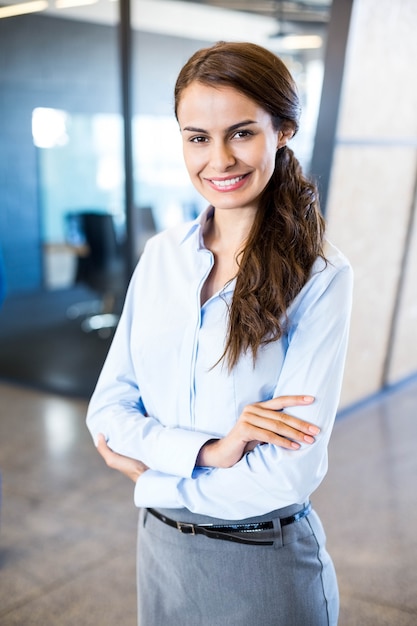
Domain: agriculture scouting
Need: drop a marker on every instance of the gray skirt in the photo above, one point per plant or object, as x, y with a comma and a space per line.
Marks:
193, 580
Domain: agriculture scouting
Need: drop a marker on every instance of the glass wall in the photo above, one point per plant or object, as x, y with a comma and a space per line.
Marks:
80, 168
60, 149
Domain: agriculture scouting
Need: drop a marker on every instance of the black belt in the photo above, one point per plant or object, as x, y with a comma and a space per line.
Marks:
227, 533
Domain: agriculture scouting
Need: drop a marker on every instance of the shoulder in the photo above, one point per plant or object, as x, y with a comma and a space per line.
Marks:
170, 245
166, 254
173, 236
333, 263
335, 257
331, 279
333, 268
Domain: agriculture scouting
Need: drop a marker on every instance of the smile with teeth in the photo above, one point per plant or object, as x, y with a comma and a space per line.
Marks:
229, 182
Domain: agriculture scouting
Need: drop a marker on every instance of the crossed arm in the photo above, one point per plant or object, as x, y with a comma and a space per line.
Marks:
260, 422
236, 476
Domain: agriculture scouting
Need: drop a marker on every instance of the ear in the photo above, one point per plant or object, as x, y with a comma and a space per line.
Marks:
284, 134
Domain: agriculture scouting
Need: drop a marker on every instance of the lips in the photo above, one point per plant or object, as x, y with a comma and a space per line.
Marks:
227, 184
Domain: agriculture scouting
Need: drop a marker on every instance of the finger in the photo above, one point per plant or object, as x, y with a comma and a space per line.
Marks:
112, 459
282, 402
101, 444
299, 425
258, 423
104, 449
295, 423
262, 435
277, 423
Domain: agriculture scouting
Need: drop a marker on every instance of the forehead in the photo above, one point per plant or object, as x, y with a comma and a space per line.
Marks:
201, 105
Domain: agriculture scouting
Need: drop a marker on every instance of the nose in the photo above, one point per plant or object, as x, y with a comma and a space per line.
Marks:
222, 156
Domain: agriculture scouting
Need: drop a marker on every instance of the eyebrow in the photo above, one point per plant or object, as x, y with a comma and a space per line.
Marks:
193, 129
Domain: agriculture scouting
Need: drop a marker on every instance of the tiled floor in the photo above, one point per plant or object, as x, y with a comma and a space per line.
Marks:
68, 525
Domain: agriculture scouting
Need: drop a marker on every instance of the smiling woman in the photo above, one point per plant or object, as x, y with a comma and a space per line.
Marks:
220, 389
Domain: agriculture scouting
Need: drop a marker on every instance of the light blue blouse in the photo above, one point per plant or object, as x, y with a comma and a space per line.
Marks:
159, 398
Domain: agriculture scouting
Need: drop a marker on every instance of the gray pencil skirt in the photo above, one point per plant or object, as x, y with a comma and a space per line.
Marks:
193, 580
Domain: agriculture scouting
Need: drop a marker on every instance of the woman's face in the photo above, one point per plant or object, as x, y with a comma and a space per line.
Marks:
229, 145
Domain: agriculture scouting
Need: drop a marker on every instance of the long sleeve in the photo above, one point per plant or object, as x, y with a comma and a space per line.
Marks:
117, 407
270, 477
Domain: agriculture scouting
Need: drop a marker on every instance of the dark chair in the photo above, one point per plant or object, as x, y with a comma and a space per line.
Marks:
102, 269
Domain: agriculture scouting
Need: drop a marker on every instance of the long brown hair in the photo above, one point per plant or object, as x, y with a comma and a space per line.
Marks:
288, 230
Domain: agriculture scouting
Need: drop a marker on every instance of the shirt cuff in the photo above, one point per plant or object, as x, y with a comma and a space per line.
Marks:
172, 451
175, 451
151, 491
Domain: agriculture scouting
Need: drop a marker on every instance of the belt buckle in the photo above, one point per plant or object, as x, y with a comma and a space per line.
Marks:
186, 528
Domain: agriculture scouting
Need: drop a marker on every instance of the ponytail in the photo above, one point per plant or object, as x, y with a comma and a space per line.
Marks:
285, 240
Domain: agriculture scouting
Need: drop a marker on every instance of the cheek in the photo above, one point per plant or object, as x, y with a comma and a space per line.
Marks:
270, 157
268, 165
193, 161
264, 156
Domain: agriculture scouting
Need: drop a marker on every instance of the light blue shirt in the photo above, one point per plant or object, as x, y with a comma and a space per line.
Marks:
159, 398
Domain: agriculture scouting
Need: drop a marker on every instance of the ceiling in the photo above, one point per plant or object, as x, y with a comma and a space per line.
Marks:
260, 21
310, 13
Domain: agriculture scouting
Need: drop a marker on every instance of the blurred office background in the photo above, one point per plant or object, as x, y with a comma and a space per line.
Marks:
62, 154
91, 166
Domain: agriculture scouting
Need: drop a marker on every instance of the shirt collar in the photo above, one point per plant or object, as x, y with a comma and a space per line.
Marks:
198, 225
196, 230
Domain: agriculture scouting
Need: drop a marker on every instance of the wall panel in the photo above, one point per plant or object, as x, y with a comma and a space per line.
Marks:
403, 359
371, 192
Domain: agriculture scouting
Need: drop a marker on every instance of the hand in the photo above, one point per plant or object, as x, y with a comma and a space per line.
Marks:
261, 422
131, 468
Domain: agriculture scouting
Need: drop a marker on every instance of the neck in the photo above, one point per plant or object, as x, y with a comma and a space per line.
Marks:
228, 229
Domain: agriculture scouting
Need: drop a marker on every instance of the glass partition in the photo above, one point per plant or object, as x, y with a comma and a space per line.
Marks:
62, 216
80, 168
59, 122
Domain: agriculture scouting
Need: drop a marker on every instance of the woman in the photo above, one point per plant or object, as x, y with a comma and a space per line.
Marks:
228, 322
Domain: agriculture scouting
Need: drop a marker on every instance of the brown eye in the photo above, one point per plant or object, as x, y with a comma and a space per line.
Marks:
242, 134
198, 139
